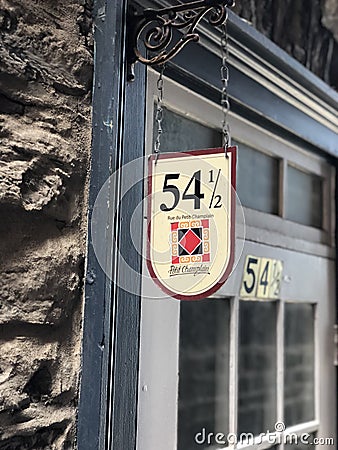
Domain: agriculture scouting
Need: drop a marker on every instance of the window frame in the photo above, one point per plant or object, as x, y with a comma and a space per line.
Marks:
311, 426
305, 427
289, 234
170, 308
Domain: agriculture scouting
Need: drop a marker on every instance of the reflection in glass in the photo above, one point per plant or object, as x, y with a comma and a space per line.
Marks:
181, 133
299, 363
257, 367
203, 370
304, 200
301, 446
258, 180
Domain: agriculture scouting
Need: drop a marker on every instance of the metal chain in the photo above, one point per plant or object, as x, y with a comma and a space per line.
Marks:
159, 114
226, 137
225, 80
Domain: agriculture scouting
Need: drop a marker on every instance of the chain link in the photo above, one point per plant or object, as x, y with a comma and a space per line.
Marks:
226, 137
159, 114
225, 81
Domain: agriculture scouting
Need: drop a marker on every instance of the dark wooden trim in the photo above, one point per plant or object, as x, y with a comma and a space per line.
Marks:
252, 96
269, 51
110, 353
212, 92
108, 94
124, 392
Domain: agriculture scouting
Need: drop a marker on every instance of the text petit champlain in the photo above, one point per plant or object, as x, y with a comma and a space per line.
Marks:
204, 437
195, 270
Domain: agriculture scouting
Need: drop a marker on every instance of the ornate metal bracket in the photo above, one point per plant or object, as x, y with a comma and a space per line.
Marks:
151, 32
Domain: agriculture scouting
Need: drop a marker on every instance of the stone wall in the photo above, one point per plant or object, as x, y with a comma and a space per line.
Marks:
306, 29
45, 133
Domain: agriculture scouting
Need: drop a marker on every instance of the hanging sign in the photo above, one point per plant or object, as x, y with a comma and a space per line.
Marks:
191, 220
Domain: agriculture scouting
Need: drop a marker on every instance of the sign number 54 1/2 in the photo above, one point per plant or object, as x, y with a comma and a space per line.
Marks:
191, 221
261, 278
193, 190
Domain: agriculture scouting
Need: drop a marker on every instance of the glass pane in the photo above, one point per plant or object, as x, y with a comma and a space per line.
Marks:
181, 133
257, 180
295, 443
203, 371
299, 363
257, 367
304, 202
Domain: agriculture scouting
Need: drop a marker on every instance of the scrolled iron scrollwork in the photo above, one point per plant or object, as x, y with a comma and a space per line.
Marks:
152, 34
218, 15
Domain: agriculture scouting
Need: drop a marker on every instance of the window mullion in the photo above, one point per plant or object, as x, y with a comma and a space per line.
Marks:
316, 363
280, 364
233, 369
282, 188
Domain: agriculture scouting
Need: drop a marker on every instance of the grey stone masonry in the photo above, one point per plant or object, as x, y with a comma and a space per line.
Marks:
307, 30
45, 134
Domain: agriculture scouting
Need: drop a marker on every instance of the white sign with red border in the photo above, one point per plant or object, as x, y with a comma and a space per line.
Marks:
191, 221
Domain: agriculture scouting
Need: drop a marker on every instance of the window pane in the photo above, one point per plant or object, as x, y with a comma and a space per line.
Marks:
203, 370
294, 444
304, 198
257, 367
257, 180
299, 363
181, 134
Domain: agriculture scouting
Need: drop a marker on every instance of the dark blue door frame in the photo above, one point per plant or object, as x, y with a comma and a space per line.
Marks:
108, 390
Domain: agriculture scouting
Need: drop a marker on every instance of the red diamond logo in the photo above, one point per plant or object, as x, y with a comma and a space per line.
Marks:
190, 241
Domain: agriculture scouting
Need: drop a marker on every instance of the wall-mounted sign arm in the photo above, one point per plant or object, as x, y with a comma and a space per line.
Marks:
151, 35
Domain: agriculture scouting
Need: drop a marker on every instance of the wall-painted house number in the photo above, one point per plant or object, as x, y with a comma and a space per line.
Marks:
261, 278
